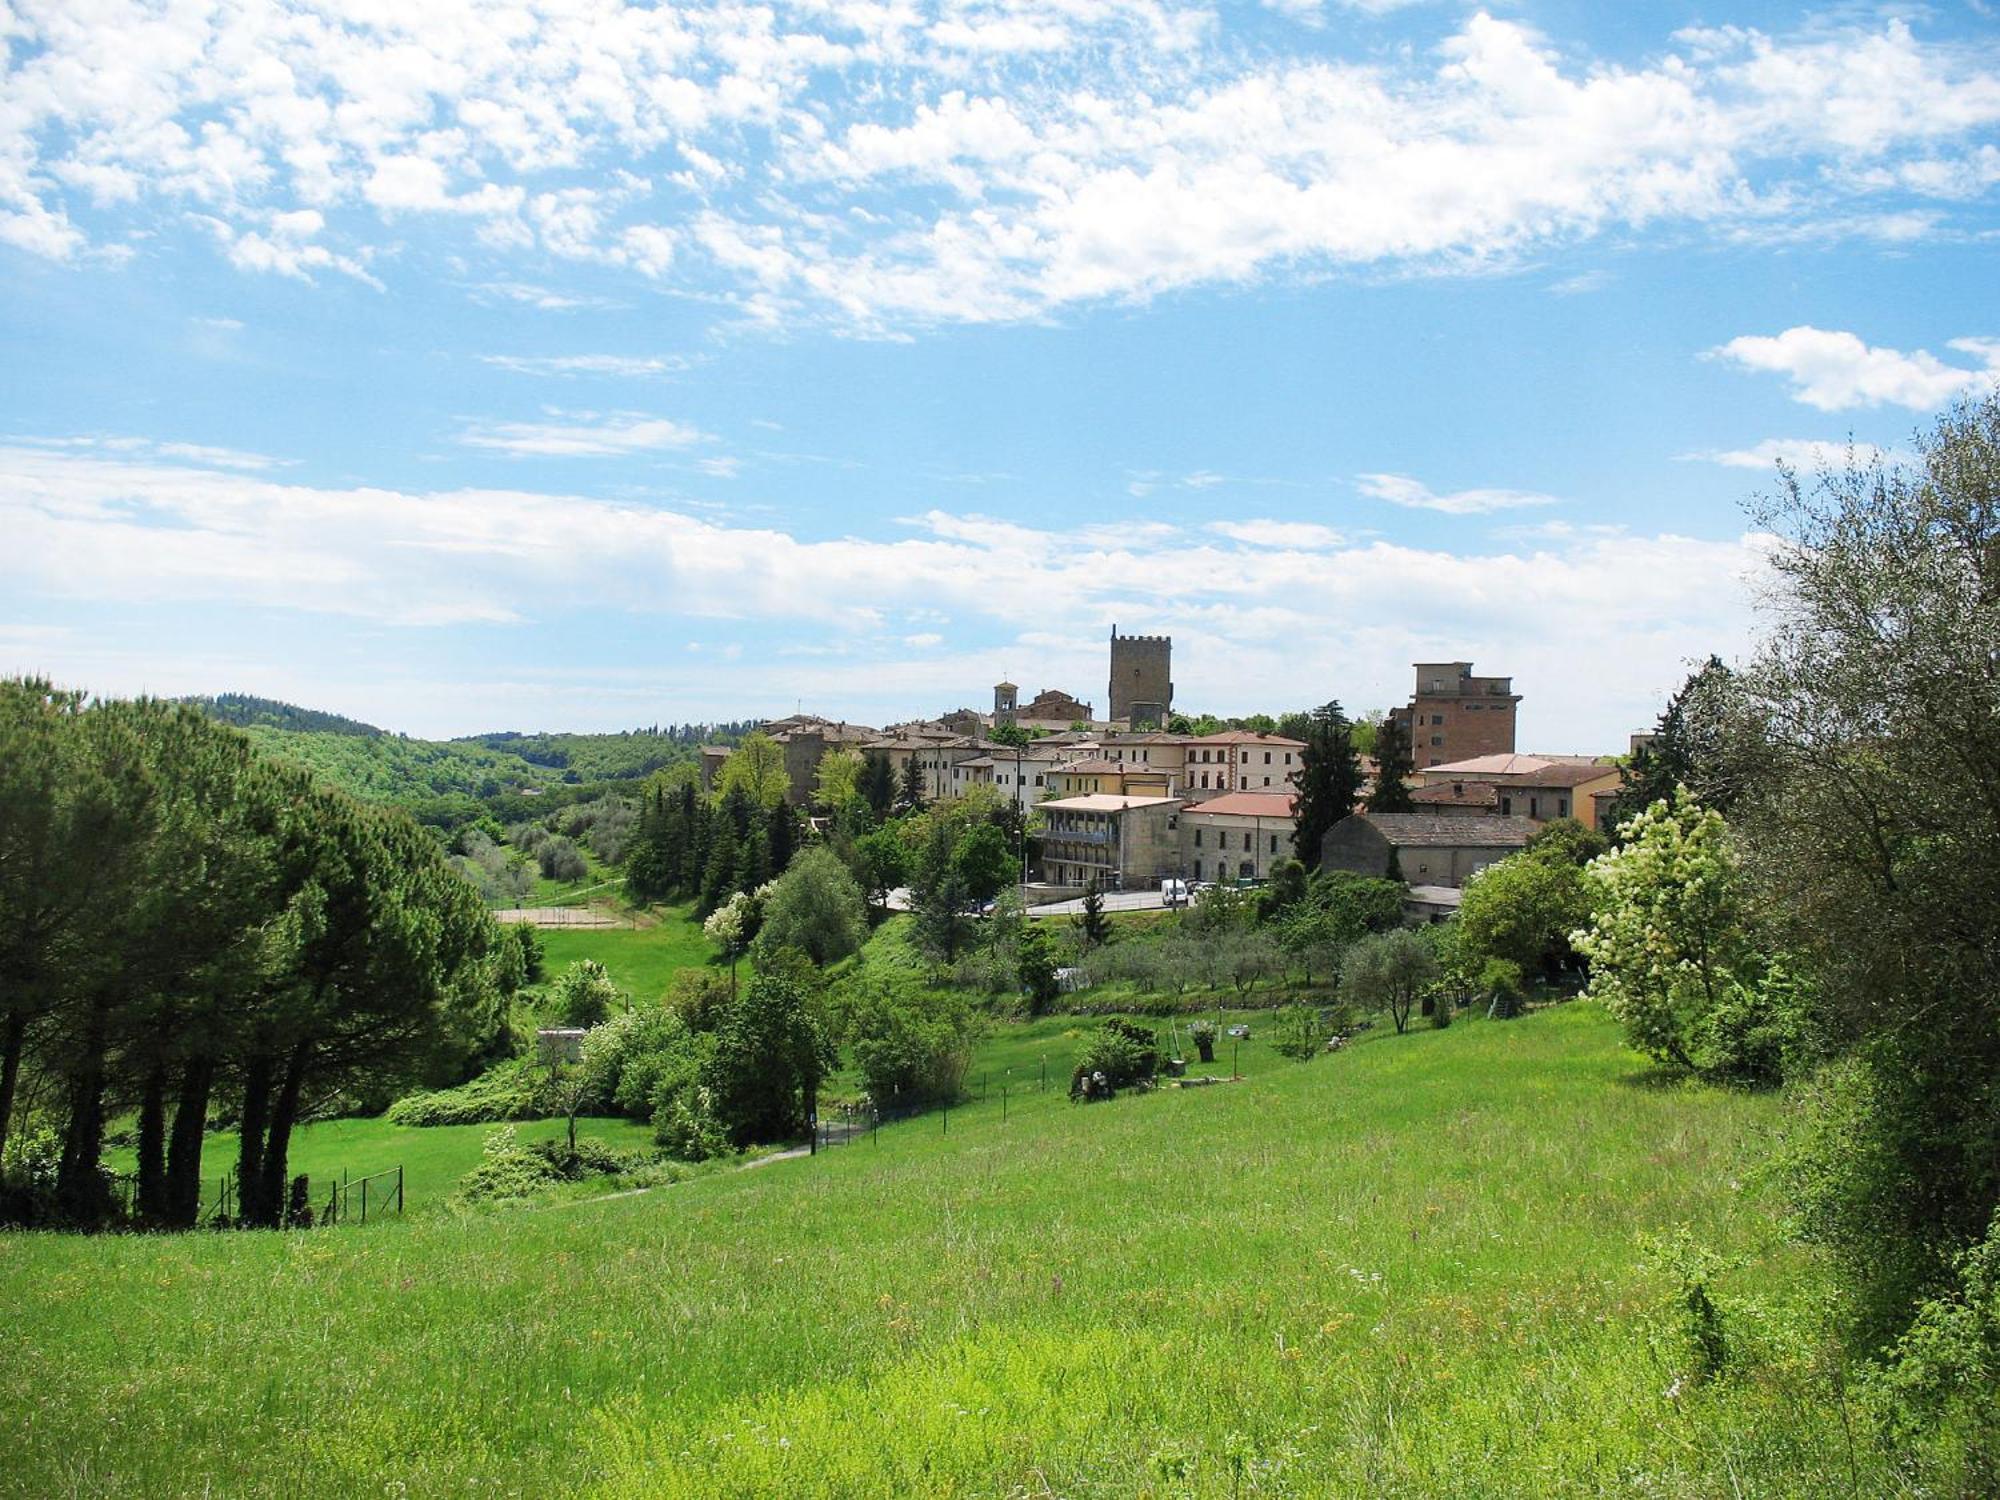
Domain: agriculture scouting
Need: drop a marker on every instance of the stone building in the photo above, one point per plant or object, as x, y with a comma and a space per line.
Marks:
1453, 715
1142, 679
1121, 843
1240, 760
1423, 848
1237, 836
1080, 777
1537, 787
1054, 706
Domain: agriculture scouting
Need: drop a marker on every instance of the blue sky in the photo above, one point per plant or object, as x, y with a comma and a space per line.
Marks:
579, 365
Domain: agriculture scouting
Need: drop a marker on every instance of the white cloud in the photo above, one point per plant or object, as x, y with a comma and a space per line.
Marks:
885, 165
1803, 455
720, 468
139, 447
626, 366
1834, 370
1413, 494
584, 435
1253, 625
1302, 535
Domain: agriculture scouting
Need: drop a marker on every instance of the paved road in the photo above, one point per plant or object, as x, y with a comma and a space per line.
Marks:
1113, 901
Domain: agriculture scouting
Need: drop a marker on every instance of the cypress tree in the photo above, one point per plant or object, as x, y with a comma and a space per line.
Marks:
1329, 781
1392, 769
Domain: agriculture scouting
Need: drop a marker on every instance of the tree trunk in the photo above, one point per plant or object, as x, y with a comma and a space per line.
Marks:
284, 1111
250, 1155
80, 1190
12, 1043
184, 1144
152, 1195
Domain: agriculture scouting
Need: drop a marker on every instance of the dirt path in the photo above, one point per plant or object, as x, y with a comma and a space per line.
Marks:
789, 1154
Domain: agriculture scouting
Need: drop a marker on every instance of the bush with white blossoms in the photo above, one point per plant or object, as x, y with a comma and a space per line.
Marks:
1668, 943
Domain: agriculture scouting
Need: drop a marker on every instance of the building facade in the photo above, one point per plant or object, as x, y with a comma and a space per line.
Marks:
1538, 787
1454, 715
1118, 843
1237, 836
1240, 760
1422, 848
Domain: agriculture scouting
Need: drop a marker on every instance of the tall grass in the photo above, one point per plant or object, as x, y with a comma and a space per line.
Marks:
1412, 1268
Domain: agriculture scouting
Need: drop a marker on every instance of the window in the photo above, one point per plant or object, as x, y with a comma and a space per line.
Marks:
1436, 739
1222, 838
1197, 863
1506, 807
1437, 718
1534, 807
1274, 843
1562, 807
1267, 757
1267, 781
1197, 844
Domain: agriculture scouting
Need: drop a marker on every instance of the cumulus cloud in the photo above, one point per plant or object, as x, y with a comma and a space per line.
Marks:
1254, 623
1834, 370
879, 166
1413, 494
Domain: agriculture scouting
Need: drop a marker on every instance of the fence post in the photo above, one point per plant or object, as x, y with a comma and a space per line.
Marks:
399, 1191
364, 1200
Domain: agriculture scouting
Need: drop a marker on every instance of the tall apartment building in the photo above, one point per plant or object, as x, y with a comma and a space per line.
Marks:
1454, 716
1142, 679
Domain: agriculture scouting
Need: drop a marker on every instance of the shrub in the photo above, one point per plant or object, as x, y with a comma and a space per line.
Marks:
1943, 1372
584, 994
910, 1048
560, 859
508, 1171
1036, 967
514, 1090
1123, 1051
771, 1047
816, 907
1668, 934
1391, 971
1700, 1345
1298, 1033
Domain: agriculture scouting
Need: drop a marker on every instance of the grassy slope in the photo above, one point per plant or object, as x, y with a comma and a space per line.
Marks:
641, 961
432, 1159
1408, 1269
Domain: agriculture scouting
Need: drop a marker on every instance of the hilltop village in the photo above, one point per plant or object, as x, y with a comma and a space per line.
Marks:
1128, 801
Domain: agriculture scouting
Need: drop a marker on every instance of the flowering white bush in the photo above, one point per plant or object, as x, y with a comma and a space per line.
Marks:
1667, 942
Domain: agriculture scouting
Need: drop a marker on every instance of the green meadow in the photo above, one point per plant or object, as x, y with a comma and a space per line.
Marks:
1416, 1267
642, 960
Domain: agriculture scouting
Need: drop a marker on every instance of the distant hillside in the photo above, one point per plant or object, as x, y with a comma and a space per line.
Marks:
451, 782
438, 783
248, 712
627, 755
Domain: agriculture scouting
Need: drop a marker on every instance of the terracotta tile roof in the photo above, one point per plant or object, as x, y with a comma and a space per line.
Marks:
1249, 805
1242, 737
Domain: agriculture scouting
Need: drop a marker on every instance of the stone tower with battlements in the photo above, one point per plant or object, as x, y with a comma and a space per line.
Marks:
1142, 678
